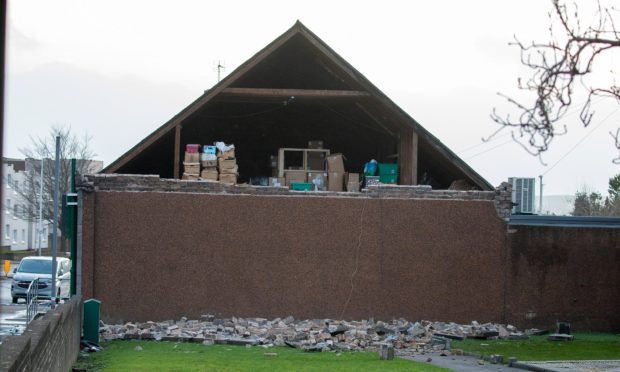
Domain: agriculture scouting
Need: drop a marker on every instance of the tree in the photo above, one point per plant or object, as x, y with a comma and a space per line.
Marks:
562, 66
588, 204
42, 152
592, 203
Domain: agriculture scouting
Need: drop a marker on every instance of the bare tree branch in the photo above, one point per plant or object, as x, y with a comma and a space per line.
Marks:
558, 64
42, 153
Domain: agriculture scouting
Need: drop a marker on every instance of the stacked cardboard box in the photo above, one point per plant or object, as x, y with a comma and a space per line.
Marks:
227, 164
335, 172
191, 162
208, 161
353, 182
316, 160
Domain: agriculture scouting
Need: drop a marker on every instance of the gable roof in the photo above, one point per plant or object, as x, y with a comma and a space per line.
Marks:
298, 29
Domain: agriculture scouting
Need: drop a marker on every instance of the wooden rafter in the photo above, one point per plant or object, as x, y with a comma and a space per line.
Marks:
297, 93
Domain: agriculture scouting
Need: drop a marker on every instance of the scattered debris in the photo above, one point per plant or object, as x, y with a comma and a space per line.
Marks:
386, 351
316, 335
536, 332
497, 359
560, 337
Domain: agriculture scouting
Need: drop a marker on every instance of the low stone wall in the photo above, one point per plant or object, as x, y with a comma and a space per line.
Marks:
501, 196
50, 343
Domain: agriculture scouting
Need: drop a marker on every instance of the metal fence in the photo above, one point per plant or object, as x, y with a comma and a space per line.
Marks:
32, 300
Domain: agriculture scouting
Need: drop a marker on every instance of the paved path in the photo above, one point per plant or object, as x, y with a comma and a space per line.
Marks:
577, 366
459, 363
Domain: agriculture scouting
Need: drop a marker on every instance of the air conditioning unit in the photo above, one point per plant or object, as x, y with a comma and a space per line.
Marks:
523, 195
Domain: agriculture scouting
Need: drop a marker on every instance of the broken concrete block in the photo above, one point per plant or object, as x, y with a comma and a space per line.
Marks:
497, 359
518, 336
386, 352
450, 336
416, 330
536, 332
559, 337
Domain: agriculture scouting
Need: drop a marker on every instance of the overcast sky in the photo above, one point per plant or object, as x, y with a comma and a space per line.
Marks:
117, 70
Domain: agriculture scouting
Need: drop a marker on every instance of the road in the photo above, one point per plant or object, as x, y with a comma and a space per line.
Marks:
12, 316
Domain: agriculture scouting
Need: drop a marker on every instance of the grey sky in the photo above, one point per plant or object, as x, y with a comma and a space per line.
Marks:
120, 69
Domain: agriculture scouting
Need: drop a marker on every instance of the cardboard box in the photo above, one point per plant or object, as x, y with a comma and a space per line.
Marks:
352, 177
353, 186
228, 178
192, 157
315, 144
191, 168
294, 177
335, 181
335, 163
316, 160
191, 177
319, 179
276, 181
209, 174
230, 154
227, 165
208, 163
233, 170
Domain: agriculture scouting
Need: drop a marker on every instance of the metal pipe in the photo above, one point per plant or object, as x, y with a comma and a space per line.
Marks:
55, 232
41, 206
540, 198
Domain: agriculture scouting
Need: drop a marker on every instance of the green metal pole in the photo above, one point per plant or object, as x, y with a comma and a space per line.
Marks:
73, 235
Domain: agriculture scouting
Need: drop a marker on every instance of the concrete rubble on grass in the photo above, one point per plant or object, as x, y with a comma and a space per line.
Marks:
313, 335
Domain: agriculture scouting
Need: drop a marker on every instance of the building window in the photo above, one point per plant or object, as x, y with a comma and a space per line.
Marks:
16, 185
8, 206
23, 235
9, 181
14, 235
15, 210
7, 231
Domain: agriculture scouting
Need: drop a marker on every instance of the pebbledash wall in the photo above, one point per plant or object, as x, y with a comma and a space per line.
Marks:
156, 249
50, 343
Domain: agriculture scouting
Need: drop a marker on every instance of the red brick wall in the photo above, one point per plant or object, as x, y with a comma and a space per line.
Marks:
564, 274
161, 255
165, 255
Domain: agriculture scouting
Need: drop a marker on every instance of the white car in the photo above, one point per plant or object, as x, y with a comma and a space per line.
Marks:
40, 267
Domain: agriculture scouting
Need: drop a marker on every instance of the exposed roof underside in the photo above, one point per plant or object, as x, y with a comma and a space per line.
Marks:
294, 90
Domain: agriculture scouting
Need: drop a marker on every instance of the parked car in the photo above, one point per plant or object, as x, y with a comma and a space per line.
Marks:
40, 267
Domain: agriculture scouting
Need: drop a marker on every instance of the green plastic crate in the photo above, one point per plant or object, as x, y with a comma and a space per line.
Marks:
301, 186
388, 169
388, 178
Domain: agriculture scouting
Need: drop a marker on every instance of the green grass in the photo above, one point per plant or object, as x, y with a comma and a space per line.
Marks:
585, 346
171, 356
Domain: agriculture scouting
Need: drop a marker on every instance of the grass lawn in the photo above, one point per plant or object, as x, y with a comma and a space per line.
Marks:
171, 356
585, 346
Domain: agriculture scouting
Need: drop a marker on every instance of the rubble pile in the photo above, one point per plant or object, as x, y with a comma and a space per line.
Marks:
312, 335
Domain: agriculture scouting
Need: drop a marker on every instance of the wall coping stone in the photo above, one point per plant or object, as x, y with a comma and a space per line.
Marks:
501, 196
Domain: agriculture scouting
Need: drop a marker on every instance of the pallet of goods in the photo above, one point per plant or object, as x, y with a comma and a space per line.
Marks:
208, 162
191, 162
226, 163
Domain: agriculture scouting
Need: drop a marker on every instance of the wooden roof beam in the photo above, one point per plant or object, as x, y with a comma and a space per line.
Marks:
297, 93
